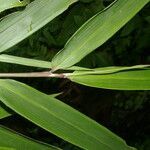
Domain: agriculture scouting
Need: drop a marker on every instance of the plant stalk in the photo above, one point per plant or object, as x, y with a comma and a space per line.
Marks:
32, 75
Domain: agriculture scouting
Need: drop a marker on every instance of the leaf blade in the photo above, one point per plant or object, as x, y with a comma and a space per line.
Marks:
24, 61
125, 80
7, 4
32, 62
20, 142
96, 31
106, 70
63, 121
16, 27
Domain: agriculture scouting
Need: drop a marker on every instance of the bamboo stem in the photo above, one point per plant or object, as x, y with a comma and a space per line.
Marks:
32, 75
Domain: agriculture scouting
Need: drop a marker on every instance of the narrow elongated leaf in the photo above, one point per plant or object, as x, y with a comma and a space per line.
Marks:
5, 113
14, 141
7, 4
32, 62
18, 26
125, 80
25, 61
55, 95
96, 31
106, 70
58, 118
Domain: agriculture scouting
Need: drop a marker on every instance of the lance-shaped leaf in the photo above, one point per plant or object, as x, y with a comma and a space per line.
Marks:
16, 27
57, 117
96, 31
124, 80
5, 112
32, 62
24, 61
7, 4
14, 141
106, 70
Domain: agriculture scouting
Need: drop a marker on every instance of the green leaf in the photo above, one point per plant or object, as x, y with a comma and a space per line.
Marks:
15, 141
7, 4
5, 113
125, 80
16, 27
55, 94
58, 118
24, 61
106, 70
32, 62
96, 31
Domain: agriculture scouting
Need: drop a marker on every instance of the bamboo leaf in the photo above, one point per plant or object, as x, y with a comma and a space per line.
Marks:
32, 62
58, 118
106, 70
15, 141
55, 94
24, 61
125, 80
16, 27
7, 4
96, 31
5, 113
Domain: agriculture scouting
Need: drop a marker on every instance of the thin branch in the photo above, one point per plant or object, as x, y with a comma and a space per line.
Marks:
32, 75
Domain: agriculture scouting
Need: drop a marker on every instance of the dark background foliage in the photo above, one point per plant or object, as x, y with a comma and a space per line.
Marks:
123, 112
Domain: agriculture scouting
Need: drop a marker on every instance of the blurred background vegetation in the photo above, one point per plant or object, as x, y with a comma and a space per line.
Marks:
123, 112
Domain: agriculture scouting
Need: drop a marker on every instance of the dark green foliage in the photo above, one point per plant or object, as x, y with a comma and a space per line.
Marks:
125, 113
